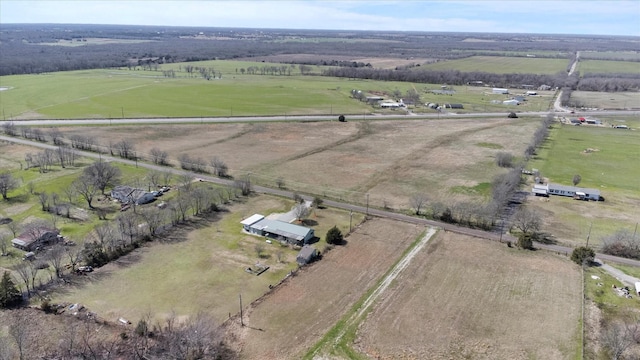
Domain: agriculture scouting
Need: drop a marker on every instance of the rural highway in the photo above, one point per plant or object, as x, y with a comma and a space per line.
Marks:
340, 205
296, 118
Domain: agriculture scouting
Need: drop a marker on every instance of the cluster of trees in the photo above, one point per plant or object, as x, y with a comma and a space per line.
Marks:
622, 243
454, 77
198, 337
45, 159
270, 70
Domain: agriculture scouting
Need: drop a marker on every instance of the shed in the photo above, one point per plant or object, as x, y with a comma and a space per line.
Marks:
246, 223
511, 102
306, 255
35, 238
500, 91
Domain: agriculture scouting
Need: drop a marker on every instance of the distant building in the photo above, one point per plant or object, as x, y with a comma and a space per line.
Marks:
500, 91
129, 195
453, 106
511, 102
294, 234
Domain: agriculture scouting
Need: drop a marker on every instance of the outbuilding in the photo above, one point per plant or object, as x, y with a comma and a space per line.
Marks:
511, 102
306, 255
500, 91
35, 238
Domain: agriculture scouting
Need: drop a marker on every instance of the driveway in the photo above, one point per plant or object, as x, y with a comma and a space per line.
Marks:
627, 280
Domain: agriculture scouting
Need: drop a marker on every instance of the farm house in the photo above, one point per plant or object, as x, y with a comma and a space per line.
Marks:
279, 230
36, 238
564, 190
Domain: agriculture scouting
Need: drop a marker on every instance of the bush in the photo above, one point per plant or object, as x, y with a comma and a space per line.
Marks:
341, 118
582, 254
504, 159
334, 236
512, 115
525, 241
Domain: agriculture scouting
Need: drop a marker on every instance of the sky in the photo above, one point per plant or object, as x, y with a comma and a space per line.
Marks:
589, 17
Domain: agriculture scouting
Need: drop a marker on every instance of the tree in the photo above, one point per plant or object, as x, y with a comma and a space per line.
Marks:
280, 183
576, 179
85, 186
512, 115
527, 221
9, 293
7, 183
504, 159
159, 157
220, 169
3, 246
244, 185
341, 118
317, 202
582, 254
525, 241
54, 256
334, 236
19, 331
417, 202
301, 211
102, 174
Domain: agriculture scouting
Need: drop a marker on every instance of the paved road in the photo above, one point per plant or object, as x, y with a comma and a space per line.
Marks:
301, 118
340, 205
627, 280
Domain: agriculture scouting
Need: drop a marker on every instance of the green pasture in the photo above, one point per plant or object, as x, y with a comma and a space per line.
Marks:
117, 93
613, 166
613, 306
603, 55
607, 66
501, 65
607, 100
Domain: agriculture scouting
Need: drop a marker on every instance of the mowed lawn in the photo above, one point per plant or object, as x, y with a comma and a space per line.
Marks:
467, 298
606, 159
501, 65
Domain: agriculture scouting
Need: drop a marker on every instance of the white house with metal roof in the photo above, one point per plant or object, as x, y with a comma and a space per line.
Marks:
279, 230
564, 190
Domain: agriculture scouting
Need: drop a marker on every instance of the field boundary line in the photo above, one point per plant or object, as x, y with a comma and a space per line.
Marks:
346, 324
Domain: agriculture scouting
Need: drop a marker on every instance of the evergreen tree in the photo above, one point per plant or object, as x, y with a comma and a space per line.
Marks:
9, 293
334, 236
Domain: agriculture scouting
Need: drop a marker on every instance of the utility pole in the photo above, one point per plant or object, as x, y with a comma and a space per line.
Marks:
367, 204
241, 321
350, 218
122, 111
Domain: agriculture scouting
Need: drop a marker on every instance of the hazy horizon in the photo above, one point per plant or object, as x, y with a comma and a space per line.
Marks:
618, 17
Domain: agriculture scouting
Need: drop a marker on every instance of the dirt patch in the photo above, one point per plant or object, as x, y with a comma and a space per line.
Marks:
296, 314
456, 303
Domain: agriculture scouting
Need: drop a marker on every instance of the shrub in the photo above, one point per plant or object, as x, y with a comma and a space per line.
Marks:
334, 236
582, 254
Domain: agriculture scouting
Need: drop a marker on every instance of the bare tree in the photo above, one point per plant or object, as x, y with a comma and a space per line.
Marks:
56, 136
27, 272
3, 245
70, 194
43, 197
125, 149
73, 254
10, 128
54, 257
154, 178
617, 339
186, 181
219, 167
301, 211
166, 178
19, 331
418, 201
86, 188
154, 218
102, 174
158, 156
14, 228
504, 159
7, 183
526, 220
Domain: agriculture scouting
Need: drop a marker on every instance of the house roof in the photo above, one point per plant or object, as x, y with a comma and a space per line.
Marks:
252, 219
306, 252
574, 189
287, 230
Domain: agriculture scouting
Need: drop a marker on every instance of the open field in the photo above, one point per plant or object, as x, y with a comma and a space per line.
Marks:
466, 298
117, 93
290, 319
206, 260
502, 65
608, 66
610, 166
620, 55
346, 161
605, 100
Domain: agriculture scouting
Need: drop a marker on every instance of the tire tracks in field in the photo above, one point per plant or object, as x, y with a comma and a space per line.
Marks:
364, 129
356, 317
392, 171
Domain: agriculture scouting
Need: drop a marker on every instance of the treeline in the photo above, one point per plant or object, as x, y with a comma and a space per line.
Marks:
454, 77
23, 51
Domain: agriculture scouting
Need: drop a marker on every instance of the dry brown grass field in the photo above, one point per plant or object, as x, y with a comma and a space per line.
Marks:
466, 298
286, 322
389, 160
